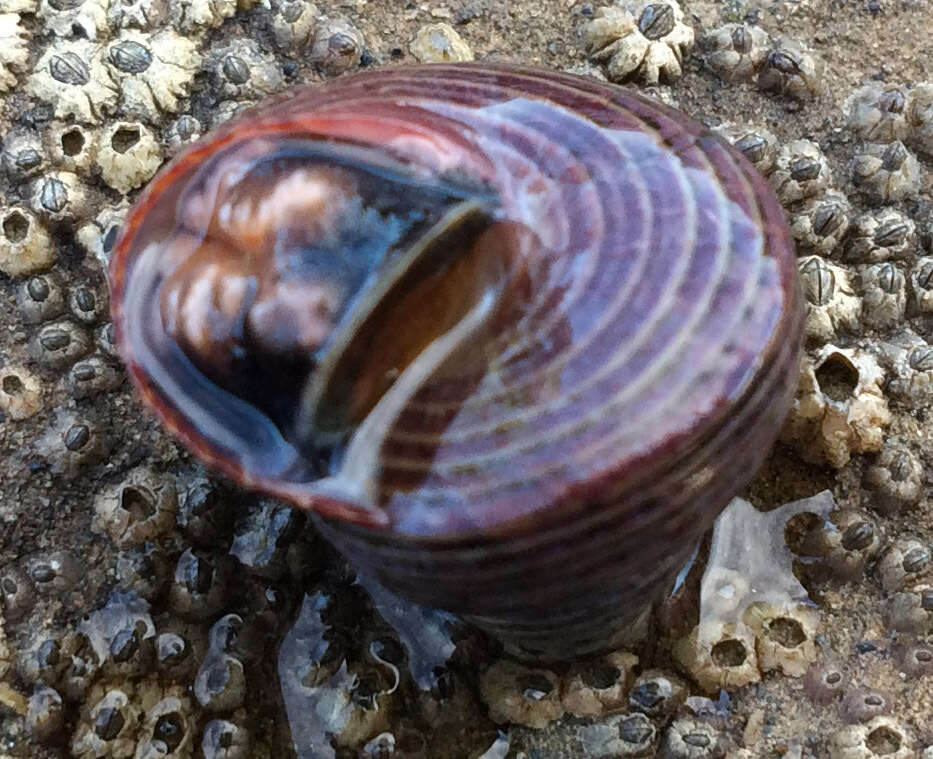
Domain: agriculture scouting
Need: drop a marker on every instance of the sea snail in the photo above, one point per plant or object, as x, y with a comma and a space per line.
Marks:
514, 337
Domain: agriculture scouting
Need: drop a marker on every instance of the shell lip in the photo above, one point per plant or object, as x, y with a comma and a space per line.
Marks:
221, 461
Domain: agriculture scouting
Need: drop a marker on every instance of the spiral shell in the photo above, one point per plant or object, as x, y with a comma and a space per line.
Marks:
515, 336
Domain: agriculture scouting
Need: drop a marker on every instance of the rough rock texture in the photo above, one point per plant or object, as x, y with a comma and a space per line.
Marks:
148, 607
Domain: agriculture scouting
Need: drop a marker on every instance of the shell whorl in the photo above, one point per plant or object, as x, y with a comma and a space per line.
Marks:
560, 461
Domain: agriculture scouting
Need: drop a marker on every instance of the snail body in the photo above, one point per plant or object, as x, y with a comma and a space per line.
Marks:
515, 337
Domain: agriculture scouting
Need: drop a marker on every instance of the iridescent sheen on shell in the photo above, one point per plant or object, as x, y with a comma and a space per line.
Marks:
532, 420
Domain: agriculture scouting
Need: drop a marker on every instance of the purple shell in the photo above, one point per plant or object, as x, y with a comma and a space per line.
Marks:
532, 418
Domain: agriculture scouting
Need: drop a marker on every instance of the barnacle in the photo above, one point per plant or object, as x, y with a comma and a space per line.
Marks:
886, 173
199, 585
45, 720
439, 43
180, 133
293, 23
71, 147
820, 223
832, 305
129, 154
521, 695
337, 46
881, 235
86, 304
881, 736
60, 196
594, 688
86, 18
785, 636
243, 71
903, 561
896, 478
72, 442
719, 655
224, 739
59, 344
884, 294
915, 659
110, 727
911, 610
921, 285
72, 76
791, 68
40, 298
757, 144
142, 507
20, 392
838, 548
801, 171
878, 112
25, 247
154, 72
639, 40
657, 693
825, 682
98, 235
920, 116
909, 359
144, 570
840, 407
621, 735
736, 51
197, 16
220, 684
23, 155
179, 653
205, 513
863, 705
692, 738
14, 52
167, 728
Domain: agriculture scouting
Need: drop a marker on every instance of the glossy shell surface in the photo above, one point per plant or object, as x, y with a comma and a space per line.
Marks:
532, 401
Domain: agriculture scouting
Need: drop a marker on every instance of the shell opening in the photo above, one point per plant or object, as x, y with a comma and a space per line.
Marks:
309, 284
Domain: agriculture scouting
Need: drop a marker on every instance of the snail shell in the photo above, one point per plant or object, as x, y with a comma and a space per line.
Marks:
515, 337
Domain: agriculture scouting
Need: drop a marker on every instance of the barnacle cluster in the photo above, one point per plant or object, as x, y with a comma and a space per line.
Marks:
153, 608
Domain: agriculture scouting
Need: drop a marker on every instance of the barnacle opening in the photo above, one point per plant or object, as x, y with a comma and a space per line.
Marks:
601, 676
883, 740
72, 142
837, 377
787, 632
125, 138
730, 652
137, 503
801, 534
15, 227
12, 385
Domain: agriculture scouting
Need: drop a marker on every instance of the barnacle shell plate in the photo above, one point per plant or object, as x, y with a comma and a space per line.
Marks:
599, 318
